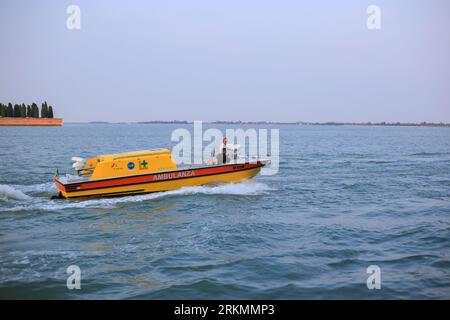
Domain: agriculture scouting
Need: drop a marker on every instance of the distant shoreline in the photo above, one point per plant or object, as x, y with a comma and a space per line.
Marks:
299, 123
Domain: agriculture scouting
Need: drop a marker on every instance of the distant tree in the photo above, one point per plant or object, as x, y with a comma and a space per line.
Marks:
16, 111
34, 110
50, 112
2, 108
47, 109
44, 110
28, 111
23, 111
10, 112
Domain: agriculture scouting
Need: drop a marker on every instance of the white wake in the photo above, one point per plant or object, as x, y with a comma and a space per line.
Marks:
10, 193
39, 203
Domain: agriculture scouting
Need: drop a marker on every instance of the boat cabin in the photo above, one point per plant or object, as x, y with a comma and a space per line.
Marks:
125, 164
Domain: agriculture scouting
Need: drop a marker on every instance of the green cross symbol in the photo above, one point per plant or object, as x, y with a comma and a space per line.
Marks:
144, 164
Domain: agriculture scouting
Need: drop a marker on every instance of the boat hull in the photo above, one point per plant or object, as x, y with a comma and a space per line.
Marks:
157, 182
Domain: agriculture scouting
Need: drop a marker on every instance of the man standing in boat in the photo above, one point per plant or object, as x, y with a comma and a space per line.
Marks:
223, 148
222, 156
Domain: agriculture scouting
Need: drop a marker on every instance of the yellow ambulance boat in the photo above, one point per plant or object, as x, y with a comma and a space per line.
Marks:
144, 172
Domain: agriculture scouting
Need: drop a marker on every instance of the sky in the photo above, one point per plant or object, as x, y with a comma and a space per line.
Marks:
244, 60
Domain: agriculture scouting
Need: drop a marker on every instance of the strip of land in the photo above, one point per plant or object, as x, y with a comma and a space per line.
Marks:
6, 121
300, 123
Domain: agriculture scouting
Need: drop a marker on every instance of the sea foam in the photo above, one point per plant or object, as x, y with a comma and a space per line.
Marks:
243, 188
9, 193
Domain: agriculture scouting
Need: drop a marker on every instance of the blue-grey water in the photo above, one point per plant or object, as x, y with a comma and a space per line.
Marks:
345, 198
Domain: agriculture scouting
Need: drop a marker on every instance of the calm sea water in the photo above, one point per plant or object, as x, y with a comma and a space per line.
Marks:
344, 198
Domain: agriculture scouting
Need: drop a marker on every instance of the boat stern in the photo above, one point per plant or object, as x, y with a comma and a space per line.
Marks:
61, 190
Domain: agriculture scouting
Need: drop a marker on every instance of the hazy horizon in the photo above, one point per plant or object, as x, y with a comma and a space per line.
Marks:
251, 61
